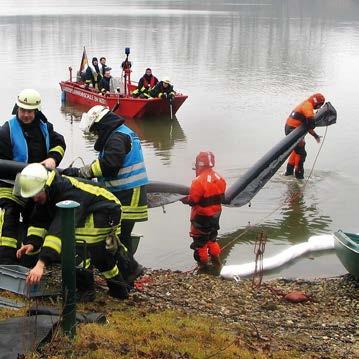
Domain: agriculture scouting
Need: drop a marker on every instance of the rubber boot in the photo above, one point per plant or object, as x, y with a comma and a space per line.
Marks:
299, 171
117, 287
216, 261
85, 284
289, 171
134, 269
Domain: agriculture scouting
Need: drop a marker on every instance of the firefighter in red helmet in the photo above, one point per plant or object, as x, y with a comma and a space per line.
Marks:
205, 197
303, 113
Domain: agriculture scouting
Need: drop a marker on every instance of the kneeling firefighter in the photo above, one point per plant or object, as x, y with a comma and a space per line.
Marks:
302, 114
97, 217
120, 167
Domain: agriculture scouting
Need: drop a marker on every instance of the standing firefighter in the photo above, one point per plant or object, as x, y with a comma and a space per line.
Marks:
120, 167
302, 114
97, 218
26, 137
205, 197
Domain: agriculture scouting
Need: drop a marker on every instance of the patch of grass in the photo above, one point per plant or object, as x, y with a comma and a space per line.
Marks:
132, 333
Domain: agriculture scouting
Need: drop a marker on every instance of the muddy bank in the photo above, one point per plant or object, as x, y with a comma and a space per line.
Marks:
325, 324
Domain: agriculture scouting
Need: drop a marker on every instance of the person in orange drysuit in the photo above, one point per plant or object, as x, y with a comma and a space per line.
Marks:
205, 197
303, 113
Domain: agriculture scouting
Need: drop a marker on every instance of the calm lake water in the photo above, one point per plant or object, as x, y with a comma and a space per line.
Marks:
244, 65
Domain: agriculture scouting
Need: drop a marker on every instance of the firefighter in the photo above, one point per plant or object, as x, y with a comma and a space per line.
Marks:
120, 167
163, 89
93, 74
302, 114
205, 197
26, 137
97, 218
145, 84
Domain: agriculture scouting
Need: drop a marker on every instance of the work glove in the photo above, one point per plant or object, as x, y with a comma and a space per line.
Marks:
71, 171
82, 172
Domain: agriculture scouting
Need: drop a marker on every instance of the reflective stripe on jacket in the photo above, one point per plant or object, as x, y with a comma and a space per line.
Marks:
18, 141
133, 171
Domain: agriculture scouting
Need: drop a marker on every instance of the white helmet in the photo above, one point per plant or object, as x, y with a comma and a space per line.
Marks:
32, 179
29, 99
166, 80
94, 114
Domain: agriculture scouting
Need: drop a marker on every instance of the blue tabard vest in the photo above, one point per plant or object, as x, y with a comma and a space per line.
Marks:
133, 172
19, 145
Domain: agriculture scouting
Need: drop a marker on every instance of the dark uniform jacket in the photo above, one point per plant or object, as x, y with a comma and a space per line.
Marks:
45, 223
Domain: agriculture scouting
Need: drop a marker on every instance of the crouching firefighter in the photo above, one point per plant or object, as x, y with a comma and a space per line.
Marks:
97, 217
205, 197
302, 114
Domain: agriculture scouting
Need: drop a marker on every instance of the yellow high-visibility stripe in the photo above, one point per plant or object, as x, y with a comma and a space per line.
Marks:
2, 215
96, 168
50, 178
6, 192
94, 231
58, 149
139, 209
36, 231
8, 242
95, 190
130, 216
85, 265
111, 273
53, 242
135, 197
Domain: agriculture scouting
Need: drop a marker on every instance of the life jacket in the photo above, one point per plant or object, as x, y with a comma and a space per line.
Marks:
206, 194
151, 83
303, 113
18, 141
133, 172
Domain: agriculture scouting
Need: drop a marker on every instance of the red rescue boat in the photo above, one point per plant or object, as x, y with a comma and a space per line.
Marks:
124, 104
76, 92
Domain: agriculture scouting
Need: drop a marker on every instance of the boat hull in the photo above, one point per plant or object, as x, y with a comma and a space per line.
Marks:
129, 107
347, 250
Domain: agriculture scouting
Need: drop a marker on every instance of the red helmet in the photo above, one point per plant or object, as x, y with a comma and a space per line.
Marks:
204, 159
317, 100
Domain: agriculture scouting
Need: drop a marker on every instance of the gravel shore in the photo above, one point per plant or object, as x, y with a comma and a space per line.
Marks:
326, 324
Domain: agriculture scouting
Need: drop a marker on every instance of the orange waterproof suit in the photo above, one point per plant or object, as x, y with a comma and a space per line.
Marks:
205, 197
302, 114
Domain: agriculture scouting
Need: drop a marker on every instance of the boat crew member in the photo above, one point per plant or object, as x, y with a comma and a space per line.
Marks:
26, 137
163, 89
92, 74
120, 167
145, 84
205, 198
108, 84
97, 217
302, 114
103, 65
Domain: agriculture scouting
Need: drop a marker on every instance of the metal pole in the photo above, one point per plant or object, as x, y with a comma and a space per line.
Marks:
67, 209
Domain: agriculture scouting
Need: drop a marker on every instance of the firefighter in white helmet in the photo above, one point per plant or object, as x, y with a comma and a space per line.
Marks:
120, 167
